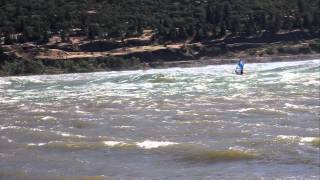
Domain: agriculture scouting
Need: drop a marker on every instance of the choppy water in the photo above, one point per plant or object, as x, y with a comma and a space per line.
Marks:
193, 123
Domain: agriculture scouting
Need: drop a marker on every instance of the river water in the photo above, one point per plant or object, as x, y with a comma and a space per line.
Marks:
180, 123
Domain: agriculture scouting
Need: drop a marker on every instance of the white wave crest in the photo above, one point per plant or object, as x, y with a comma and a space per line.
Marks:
113, 143
36, 144
155, 144
298, 139
48, 118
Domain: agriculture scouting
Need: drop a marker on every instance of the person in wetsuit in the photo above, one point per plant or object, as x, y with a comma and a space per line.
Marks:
240, 67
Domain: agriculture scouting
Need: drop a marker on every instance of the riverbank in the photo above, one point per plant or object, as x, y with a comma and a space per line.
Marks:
84, 66
134, 54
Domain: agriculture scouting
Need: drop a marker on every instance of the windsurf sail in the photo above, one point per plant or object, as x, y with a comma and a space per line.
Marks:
239, 68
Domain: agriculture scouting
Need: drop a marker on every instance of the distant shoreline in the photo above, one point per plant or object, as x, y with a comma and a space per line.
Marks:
204, 61
111, 55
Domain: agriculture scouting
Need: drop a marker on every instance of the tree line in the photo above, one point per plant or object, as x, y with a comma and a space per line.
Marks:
37, 20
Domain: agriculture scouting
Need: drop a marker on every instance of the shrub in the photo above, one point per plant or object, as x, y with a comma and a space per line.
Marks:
10, 68
33, 67
25, 67
214, 50
288, 50
270, 51
305, 50
252, 52
315, 46
69, 66
135, 63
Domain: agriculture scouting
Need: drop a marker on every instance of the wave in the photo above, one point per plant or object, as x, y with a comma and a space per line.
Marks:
4, 82
85, 145
300, 107
69, 145
155, 144
42, 134
7, 139
49, 118
80, 124
222, 155
314, 141
182, 152
194, 122
160, 78
25, 175
196, 154
264, 111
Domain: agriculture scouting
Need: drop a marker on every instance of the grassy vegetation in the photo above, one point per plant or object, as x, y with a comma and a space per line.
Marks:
29, 67
315, 45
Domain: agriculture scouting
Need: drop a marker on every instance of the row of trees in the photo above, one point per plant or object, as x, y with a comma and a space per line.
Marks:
239, 18
37, 20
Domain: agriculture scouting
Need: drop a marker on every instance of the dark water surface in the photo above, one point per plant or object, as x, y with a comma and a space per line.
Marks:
193, 123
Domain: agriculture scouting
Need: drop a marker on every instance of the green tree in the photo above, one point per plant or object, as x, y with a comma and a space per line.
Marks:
8, 39
64, 36
223, 29
45, 36
94, 31
307, 21
227, 14
301, 7
235, 27
316, 21
274, 25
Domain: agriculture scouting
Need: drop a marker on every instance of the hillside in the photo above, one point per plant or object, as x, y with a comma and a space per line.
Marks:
119, 34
